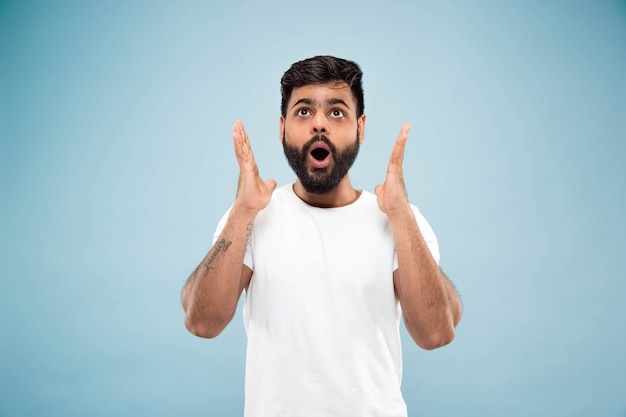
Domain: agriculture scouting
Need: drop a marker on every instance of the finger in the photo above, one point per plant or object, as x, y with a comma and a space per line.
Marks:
271, 185
243, 150
246, 143
238, 142
397, 155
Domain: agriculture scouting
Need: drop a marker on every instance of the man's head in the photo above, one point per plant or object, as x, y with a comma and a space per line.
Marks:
322, 122
322, 70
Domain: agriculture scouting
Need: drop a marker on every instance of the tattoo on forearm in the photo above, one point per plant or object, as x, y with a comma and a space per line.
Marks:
220, 246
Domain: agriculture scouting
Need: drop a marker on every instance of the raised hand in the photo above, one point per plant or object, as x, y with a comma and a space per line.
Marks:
391, 195
253, 194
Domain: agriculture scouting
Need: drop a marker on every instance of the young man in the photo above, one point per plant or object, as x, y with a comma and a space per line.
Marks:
327, 269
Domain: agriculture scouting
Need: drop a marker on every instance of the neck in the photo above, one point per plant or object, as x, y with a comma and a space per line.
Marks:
340, 196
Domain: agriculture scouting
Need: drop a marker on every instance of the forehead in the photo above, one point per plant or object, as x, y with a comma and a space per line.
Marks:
321, 94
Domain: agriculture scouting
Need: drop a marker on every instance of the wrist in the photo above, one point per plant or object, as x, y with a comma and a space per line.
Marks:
244, 213
400, 214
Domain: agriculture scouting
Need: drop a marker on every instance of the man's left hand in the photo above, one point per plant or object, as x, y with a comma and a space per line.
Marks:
391, 196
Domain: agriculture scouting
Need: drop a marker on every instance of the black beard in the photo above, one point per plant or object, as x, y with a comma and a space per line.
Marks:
321, 180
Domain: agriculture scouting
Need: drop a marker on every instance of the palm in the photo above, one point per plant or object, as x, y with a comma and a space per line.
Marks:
391, 195
252, 192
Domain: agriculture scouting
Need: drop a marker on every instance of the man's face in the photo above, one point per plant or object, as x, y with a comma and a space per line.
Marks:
321, 134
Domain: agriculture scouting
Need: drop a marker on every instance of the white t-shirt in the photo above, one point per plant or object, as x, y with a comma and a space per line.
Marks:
320, 313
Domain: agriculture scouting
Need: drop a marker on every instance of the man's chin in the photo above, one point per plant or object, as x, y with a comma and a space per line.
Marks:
319, 173
316, 190
318, 184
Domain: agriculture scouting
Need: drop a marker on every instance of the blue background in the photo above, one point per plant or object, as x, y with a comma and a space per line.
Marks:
117, 163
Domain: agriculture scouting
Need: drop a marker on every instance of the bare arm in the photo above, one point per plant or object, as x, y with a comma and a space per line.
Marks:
211, 293
430, 305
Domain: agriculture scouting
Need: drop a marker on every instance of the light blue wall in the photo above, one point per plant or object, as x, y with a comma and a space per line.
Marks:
116, 164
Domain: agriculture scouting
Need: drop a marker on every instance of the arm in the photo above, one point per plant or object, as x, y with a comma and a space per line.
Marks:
430, 305
211, 293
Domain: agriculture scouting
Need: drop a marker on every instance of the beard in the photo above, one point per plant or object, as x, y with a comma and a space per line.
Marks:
321, 180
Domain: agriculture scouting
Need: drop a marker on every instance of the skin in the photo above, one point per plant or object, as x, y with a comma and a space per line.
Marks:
327, 109
430, 305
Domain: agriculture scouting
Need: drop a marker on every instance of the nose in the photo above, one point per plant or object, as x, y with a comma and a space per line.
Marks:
319, 124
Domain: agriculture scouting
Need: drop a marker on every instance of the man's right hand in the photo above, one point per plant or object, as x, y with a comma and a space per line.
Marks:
253, 194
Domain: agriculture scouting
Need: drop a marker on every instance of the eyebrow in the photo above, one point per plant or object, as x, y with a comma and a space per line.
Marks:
327, 102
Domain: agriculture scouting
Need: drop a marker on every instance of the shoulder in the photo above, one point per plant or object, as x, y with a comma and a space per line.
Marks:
284, 191
368, 199
284, 202
282, 196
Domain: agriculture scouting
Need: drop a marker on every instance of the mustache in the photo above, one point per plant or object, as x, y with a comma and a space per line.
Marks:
318, 138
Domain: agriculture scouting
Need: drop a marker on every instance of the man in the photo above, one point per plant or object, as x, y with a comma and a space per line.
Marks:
327, 268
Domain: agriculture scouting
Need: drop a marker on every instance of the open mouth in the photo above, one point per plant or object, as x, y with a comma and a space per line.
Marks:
319, 154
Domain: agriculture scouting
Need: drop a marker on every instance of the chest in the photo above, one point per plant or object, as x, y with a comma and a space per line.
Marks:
351, 251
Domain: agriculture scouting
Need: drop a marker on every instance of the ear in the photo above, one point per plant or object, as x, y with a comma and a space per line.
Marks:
361, 125
281, 127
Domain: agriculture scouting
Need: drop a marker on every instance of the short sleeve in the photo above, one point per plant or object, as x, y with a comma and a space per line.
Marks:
247, 258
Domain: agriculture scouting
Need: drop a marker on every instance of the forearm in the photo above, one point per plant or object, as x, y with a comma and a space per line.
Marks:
211, 293
430, 304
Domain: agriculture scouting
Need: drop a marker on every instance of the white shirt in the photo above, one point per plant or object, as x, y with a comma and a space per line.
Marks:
320, 313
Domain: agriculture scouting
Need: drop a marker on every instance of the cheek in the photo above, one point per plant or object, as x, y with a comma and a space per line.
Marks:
295, 131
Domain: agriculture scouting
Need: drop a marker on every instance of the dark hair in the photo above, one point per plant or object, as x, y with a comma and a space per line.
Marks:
320, 70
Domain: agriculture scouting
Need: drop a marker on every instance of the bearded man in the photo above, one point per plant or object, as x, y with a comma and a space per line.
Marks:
328, 269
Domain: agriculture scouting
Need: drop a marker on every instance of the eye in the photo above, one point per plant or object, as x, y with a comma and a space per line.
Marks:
303, 112
336, 113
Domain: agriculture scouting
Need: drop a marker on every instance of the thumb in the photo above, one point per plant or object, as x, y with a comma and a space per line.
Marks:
271, 185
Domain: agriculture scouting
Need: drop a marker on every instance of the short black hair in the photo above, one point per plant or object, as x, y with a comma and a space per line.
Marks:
319, 70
